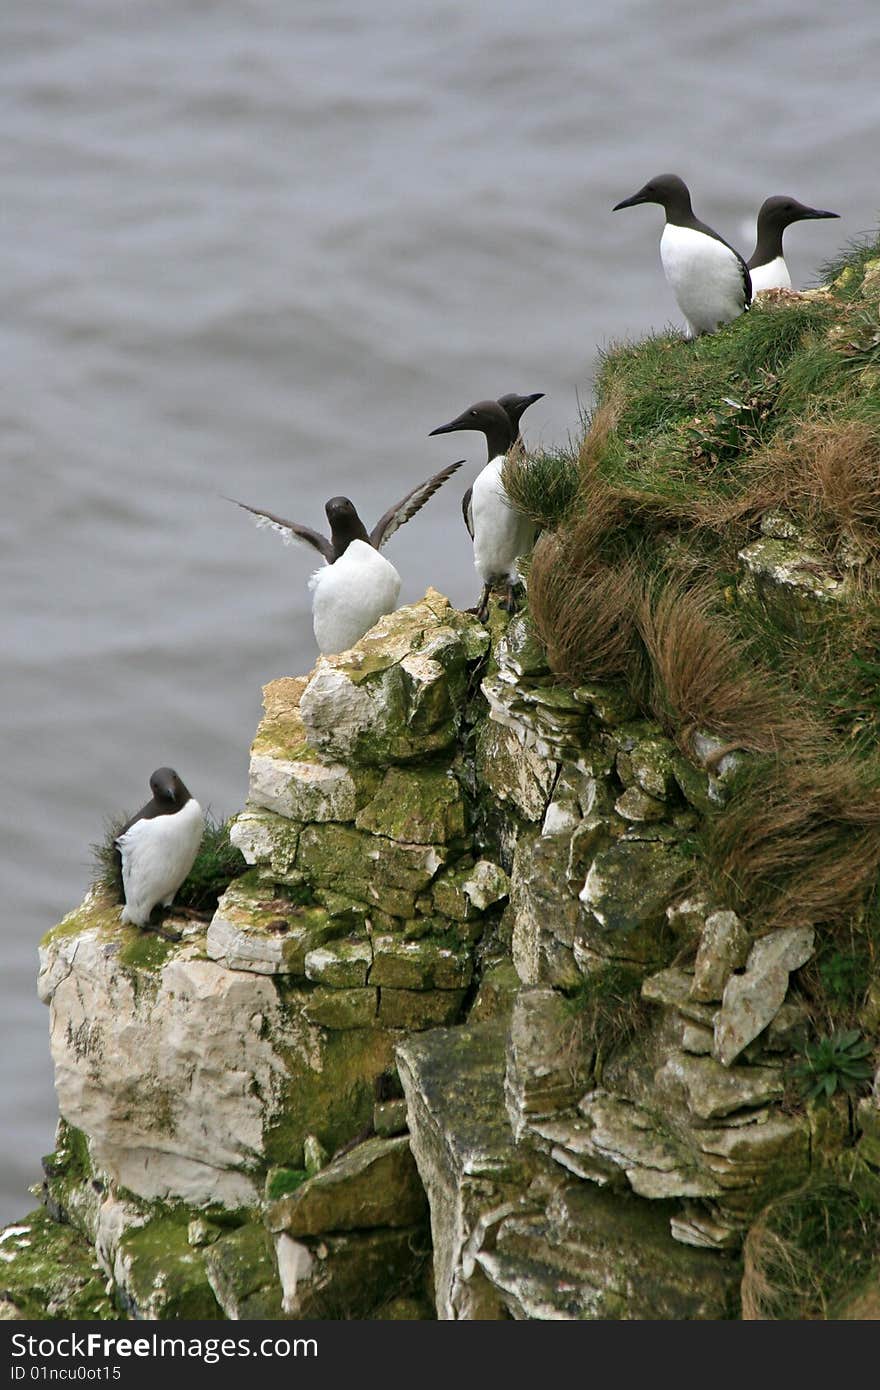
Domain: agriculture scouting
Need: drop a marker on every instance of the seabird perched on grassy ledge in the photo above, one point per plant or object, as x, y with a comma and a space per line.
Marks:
499, 532
710, 280
767, 263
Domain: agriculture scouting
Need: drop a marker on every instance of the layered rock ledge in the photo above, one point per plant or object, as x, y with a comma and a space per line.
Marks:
373, 1086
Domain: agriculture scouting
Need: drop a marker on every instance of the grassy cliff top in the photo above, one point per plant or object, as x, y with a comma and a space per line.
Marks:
712, 542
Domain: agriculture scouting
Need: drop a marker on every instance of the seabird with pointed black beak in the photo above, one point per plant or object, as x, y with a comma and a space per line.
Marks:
710, 280
357, 585
499, 532
158, 846
767, 264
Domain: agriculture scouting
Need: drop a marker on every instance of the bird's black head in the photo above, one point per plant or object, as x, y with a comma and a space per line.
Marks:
515, 406
491, 419
345, 525
341, 511
668, 190
168, 790
780, 211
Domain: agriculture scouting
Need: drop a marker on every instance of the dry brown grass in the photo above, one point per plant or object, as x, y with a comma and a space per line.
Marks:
701, 675
776, 1275
800, 842
583, 610
810, 1248
827, 475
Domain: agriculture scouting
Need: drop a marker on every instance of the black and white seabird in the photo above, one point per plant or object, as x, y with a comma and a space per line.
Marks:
500, 533
767, 263
709, 279
158, 846
514, 407
358, 585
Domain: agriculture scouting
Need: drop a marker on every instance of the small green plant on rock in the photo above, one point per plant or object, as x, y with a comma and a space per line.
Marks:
835, 1063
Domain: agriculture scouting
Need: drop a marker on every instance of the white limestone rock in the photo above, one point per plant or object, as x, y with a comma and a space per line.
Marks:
752, 1000
163, 1082
302, 790
724, 945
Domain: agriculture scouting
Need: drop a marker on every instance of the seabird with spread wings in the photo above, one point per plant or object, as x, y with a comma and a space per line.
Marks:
357, 585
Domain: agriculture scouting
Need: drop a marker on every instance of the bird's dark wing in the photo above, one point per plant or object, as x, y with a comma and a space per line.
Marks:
408, 506
467, 513
291, 531
747, 281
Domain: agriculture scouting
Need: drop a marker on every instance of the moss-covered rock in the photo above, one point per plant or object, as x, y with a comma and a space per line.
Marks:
375, 1184
413, 1009
397, 695
348, 1274
422, 965
159, 1275
600, 1255
465, 1152
49, 1271
243, 1273
372, 868
627, 890
515, 774
257, 929
340, 964
341, 1009
328, 1072
281, 732
267, 839
421, 807
793, 582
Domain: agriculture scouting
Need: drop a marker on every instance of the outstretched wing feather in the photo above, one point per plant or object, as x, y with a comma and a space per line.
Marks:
407, 507
290, 531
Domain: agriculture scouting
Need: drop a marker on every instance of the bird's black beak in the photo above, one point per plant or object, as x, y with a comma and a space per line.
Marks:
630, 202
816, 212
535, 396
461, 422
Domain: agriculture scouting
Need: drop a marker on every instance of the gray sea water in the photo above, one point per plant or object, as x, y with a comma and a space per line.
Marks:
260, 249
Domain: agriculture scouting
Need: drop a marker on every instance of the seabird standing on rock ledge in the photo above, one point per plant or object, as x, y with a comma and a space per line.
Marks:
767, 263
500, 533
158, 846
710, 280
358, 584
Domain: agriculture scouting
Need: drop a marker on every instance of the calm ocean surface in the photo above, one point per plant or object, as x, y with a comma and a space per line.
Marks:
261, 249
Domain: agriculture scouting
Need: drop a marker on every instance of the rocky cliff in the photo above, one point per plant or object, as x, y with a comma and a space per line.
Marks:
477, 1035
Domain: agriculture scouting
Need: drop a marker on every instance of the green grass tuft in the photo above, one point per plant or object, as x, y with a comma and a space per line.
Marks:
217, 863
544, 487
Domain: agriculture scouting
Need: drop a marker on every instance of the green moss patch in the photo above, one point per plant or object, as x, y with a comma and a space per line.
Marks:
48, 1271
164, 1275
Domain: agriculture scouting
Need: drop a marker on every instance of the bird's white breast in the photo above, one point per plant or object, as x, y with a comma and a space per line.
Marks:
501, 534
157, 855
349, 596
705, 275
772, 276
